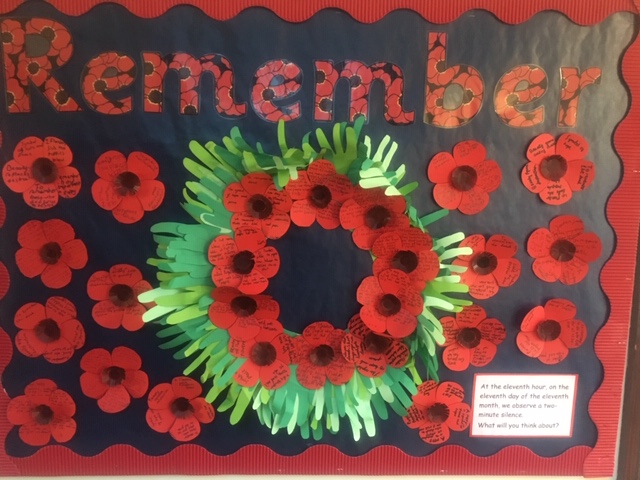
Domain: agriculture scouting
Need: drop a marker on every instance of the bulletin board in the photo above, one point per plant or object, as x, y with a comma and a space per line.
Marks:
335, 237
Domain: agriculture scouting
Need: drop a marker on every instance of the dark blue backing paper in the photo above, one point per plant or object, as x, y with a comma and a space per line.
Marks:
320, 270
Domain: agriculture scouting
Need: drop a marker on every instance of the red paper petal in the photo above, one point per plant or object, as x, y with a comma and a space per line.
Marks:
248, 375
553, 352
115, 399
58, 231
449, 393
340, 371
530, 344
507, 271
351, 214
29, 345
235, 198
416, 417
29, 262
63, 429
329, 217
560, 309
541, 147
547, 269
470, 316
369, 291
185, 429
317, 333
276, 225
573, 271
253, 283
298, 189
459, 417
126, 358
435, 434
371, 365
310, 376
109, 165
92, 385
59, 351
69, 182
320, 170
105, 194
556, 193
485, 286
150, 194
580, 174
501, 246
245, 328
456, 357
221, 314
483, 353
469, 152
29, 315
426, 395
19, 410
41, 196
267, 261
532, 179
57, 151
532, 319
132, 317
203, 410
440, 167
566, 226
402, 324
588, 247
279, 198
475, 242
160, 420
393, 281
572, 146
446, 196
427, 269
396, 354
411, 300
539, 243
255, 183
40, 391
143, 166
373, 319
222, 250
450, 330
489, 175
244, 220
99, 285
28, 150
5, 280
250, 239
302, 213
186, 387
34, 434
62, 404
74, 254
129, 210
160, 397
136, 382
468, 277
56, 276
492, 330
95, 361
31, 235
387, 244
17, 177
473, 201
573, 333
107, 315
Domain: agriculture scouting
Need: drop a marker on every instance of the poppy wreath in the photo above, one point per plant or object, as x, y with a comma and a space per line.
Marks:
213, 299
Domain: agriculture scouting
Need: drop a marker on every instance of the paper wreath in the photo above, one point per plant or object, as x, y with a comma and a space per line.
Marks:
213, 275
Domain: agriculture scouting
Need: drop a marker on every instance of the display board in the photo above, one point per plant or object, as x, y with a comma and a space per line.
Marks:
326, 238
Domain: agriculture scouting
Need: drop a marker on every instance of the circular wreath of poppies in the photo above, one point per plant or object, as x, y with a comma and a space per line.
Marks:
214, 276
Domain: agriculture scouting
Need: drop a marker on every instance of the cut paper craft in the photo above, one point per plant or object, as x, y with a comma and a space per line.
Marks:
127, 187
113, 378
109, 71
51, 330
370, 213
490, 266
471, 338
318, 353
268, 356
50, 250
243, 262
518, 88
372, 353
5, 280
390, 303
410, 251
256, 203
241, 315
44, 411
177, 408
276, 80
556, 169
465, 179
563, 252
437, 409
41, 171
317, 194
117, 292
547, 333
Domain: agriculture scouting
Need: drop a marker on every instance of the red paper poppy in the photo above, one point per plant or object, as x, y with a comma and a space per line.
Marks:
17, 99
360, 77
564, 251
189, 70
117, 291
471, 338
556, 170
276, 79
371, 352
52, 330
50, 249
390, 303
154, 70
44, 411
547, 333
245, 262
53, 33
128, 187
408, 250
268, 356
57, 95
257, 203
318, 194
326, 78
177, 408
465, 179
40, 171
242, 315
437, 409
113, 378
35, 69
189, 102
490, 266
370, 213
318, 352
12, 37
225, 104
437, 72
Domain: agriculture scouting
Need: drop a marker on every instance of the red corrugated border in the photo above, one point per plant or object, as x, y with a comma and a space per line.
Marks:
623, 211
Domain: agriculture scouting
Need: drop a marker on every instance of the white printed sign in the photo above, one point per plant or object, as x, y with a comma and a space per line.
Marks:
523, 405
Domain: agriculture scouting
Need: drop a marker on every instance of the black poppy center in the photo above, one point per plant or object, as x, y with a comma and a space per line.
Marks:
469, 337
376, 343
263, 354
377, 217
268, 94
484, 263
48, 33
464, 178
320, 75
388, 305
50, 253
148, 68
322, 355
184, 73
43, 170
47, 331
181, 407
405, 260
548, 330
7, 37
33, 68
355, 81
512, 100
244, 306
259, 206
42, 414
325, 104
62, 97
553, 167
122, 295
320, 196
243, 262
562, 250
127, 183
440, 66
100, 86
155, 96
438, 413
113, 376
